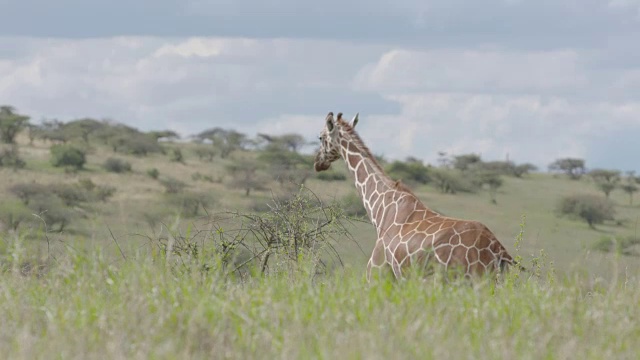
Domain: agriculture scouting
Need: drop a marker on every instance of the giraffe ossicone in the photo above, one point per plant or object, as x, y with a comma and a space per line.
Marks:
409, 234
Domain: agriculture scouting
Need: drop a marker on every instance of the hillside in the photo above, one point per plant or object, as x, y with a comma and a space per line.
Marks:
140, 205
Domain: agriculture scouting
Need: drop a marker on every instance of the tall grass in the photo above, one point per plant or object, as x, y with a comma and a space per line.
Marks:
89, 304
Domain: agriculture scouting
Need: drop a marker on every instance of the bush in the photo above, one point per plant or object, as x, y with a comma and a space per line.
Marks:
26, 191
153, 173
619, 245
331, 176
10, 158
70, 194
12, 214
451, 181
409, 172
173, 185
352, 206
297, 228
176, 155
99, 192
116, 165
189, 204
590, 208
67, 156
205, 152
51, 209
197, 176
135, 144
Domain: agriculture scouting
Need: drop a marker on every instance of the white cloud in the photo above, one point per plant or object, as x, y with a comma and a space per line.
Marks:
532, 105
473, 70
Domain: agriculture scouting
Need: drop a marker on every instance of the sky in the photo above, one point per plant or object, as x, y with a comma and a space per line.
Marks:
529, 80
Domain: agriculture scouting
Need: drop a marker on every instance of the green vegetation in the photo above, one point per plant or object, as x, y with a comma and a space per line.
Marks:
605, 180
168, 260
10, 157
629, 246
67, 156
592, 209
11, 123
117, 165
411, 171
573, 168
92, 304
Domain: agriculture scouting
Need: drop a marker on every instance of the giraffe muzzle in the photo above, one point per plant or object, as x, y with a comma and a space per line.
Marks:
321, 166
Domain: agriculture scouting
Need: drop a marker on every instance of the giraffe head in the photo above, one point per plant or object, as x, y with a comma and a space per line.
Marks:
330, 141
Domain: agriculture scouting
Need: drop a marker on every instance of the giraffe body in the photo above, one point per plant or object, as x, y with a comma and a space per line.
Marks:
409, 234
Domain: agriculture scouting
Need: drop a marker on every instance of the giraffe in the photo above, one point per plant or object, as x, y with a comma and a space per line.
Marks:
408, 232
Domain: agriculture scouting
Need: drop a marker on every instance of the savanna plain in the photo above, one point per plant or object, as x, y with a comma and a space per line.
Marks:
122, 244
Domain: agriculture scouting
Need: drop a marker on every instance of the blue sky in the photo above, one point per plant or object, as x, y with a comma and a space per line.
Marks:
536, 80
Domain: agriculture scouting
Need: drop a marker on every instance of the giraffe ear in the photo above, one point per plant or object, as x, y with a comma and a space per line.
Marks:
330, 121
354, 121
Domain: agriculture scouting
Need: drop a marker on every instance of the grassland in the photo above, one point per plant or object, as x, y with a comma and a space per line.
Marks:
91, 306
99, 291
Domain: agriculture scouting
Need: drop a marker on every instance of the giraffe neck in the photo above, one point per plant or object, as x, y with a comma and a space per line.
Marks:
372, 183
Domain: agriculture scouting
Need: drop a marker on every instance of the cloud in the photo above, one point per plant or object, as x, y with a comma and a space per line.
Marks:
535, 80
202, 82
473, 70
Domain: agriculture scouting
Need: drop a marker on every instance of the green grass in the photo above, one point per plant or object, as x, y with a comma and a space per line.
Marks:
89, 303
74, 295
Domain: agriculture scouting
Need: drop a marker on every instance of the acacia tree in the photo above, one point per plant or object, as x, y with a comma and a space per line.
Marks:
466, 162
606, 180
492, 181
11, 123
590, 208
246, 175
522, 169
285, 165
573, 167
225, 141
629, 186
291, 141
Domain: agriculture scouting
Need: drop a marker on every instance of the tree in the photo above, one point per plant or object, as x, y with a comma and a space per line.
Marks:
226, 141
523, 169
466, 161
450, 181
51, 130
285, 165
246, 175
81, 128
11, 124
491, 180
291, 141
630, 186
606, 180
630, 189
164, 134
443, 160
205, 152
51, 209
590, 208
412, 171
574, 168
134, 143
10, 157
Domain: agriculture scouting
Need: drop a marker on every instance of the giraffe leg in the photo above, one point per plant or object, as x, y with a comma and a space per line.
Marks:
397, 270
